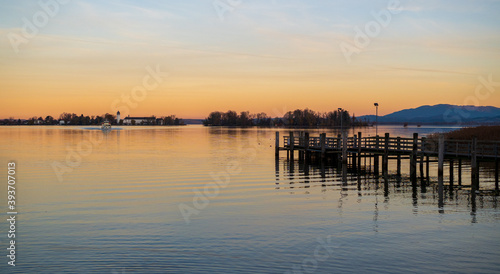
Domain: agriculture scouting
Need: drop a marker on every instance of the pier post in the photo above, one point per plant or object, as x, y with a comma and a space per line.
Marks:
277, 170
292, 145
473, 165
496, 175
385, 159
344, 175
301, 139
422, 176
322, 140
398, 147
376, 164
339, 149
413, 159
302, 151
359, 150
428, 176
344, 148
422, 152
452, 174
306, 147
359, 142
459, 172
440, 166
421, 164
287, 147
354, 155
277, 145
496, 169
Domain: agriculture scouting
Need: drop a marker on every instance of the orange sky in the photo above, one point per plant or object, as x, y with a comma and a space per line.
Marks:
261, 58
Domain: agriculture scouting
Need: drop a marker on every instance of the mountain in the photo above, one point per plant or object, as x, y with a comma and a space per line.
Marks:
441, 114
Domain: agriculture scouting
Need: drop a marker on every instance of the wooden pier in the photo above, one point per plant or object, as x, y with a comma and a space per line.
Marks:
419, 151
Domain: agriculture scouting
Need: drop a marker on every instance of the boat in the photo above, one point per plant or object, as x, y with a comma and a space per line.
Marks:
106, 126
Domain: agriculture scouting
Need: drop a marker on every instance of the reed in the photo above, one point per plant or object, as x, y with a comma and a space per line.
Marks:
487, 133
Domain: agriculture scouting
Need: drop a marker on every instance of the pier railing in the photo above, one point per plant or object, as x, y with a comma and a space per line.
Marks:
399, 145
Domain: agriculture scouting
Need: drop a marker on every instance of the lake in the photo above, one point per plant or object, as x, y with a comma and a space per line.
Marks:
214, 200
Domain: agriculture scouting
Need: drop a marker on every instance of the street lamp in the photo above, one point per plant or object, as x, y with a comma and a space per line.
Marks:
376, 119
341, 118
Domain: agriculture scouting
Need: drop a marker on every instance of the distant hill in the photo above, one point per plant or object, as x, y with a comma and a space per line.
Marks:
441, 114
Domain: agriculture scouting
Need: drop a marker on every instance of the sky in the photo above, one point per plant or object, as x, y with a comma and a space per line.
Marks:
188, 58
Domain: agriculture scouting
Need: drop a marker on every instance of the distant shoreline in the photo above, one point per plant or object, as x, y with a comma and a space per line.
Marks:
463, 125
291, 127
41, 125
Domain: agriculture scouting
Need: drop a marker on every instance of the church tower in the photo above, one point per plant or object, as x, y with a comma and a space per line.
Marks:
118, 118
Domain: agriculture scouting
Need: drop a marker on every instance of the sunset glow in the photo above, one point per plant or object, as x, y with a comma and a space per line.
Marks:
260, 56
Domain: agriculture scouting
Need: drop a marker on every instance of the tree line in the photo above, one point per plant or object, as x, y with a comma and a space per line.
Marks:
151, 121
296, 118
74, 119
64, 118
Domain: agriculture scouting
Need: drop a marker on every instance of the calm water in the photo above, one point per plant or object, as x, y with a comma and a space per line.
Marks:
112, 203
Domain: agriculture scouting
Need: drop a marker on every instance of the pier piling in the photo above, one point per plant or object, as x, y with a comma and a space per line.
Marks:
398, 161
339, 148
344, 148
301, 152
452, 174
354, 155
496, 169
359, 150
427, 170
413, 159
306, 147
440, 166
323, 145
385, 158
496, 176
421, 165
277, 145
376, 163
459, 172
473, 165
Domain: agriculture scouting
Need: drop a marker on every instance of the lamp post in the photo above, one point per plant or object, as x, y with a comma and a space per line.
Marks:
376, 119
341, 118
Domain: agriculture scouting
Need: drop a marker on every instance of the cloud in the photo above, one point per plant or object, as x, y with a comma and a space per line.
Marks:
430, 70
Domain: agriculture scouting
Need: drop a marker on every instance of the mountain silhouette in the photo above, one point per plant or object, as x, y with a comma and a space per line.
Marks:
441, 114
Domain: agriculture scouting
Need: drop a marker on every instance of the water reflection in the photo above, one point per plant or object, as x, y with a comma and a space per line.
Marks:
121, 206
296, 177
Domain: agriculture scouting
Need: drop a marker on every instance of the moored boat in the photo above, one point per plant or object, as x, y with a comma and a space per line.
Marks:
106, 126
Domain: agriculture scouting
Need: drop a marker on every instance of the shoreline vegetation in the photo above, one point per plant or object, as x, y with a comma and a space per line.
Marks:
299, 118
483, 133
75, 120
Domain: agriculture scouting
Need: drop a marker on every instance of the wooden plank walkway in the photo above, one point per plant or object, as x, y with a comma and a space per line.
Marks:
394, 145
415, 149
